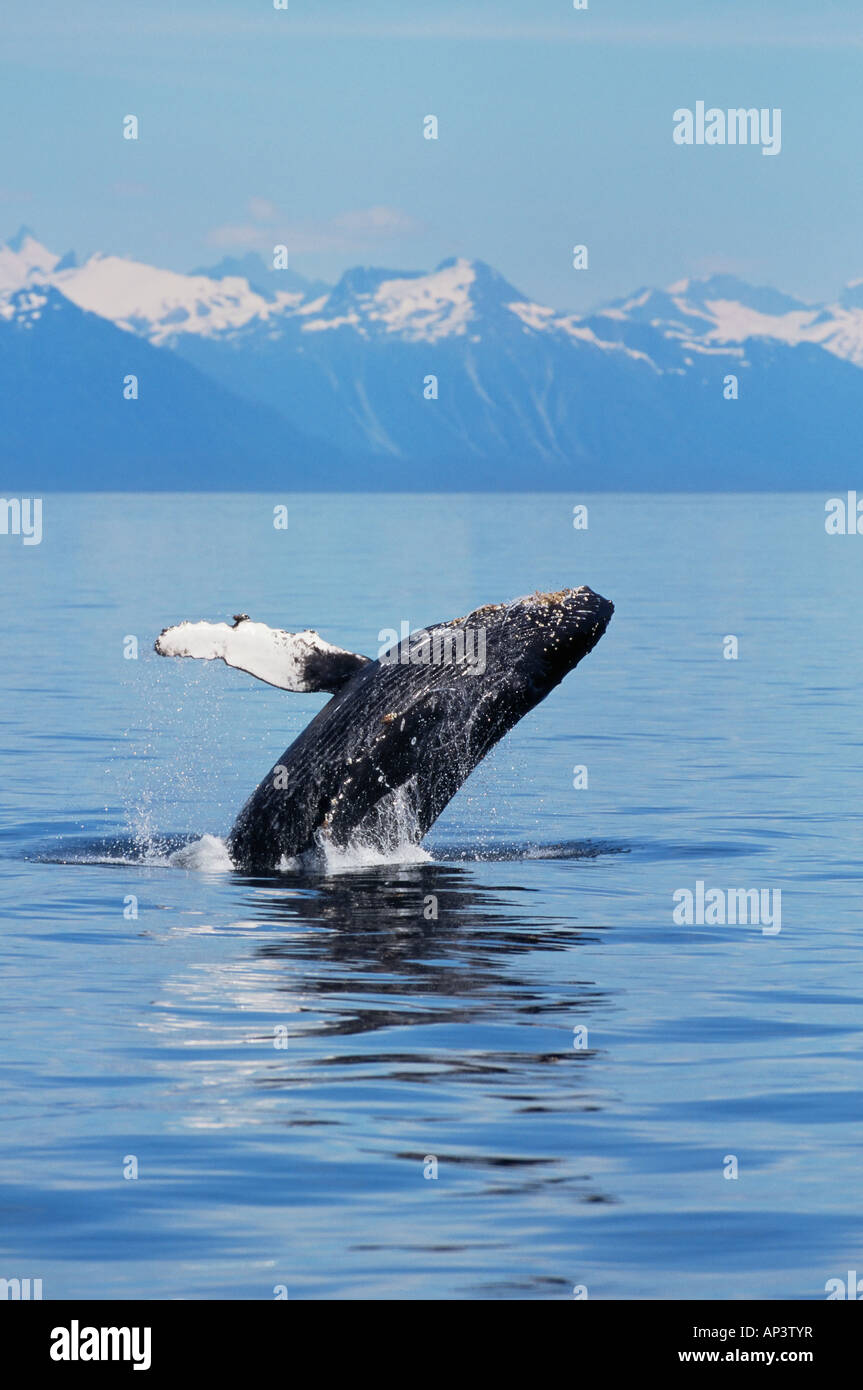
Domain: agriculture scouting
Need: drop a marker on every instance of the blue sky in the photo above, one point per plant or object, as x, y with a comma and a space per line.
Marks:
305, 127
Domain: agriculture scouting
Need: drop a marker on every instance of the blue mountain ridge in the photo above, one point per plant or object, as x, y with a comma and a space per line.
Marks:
625, 398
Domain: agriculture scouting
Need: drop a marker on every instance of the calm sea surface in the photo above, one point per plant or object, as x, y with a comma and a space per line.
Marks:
284, 1058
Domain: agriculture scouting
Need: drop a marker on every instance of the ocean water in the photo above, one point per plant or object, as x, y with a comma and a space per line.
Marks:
612, 1101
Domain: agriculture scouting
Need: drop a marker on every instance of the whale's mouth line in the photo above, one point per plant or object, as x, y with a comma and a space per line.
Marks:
208, 854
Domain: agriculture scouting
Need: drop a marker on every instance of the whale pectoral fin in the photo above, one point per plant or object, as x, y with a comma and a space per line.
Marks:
299, 661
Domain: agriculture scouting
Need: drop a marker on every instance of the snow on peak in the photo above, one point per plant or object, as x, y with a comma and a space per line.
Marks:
17, 241
427, 306
157, 304
412, 304
721, 312
458, 297
160, 304
23, 259
729, 288
26, 306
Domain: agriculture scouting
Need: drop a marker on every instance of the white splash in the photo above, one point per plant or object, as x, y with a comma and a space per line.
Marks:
357, 856
209, 855
389, 835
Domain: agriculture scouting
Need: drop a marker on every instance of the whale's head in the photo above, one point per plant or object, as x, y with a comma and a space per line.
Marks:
542, 636
517, 651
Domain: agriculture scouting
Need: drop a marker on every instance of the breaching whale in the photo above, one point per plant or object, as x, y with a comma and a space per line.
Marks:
380, 761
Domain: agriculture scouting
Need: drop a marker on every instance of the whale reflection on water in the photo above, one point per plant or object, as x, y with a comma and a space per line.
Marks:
395, 999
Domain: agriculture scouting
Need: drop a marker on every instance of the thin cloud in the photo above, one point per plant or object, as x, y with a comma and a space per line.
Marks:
262, 210
358, 230
375, 222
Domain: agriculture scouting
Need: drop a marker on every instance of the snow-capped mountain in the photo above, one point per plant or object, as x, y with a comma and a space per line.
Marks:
453, 378
67, 420
155, 304
162, 305
23, 259
704, 316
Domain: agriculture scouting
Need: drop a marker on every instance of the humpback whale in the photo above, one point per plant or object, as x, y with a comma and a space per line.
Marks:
381, 760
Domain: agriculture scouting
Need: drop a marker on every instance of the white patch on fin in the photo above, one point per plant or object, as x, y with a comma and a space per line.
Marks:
298, 661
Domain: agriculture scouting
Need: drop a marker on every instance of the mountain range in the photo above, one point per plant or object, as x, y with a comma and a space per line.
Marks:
250, 378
